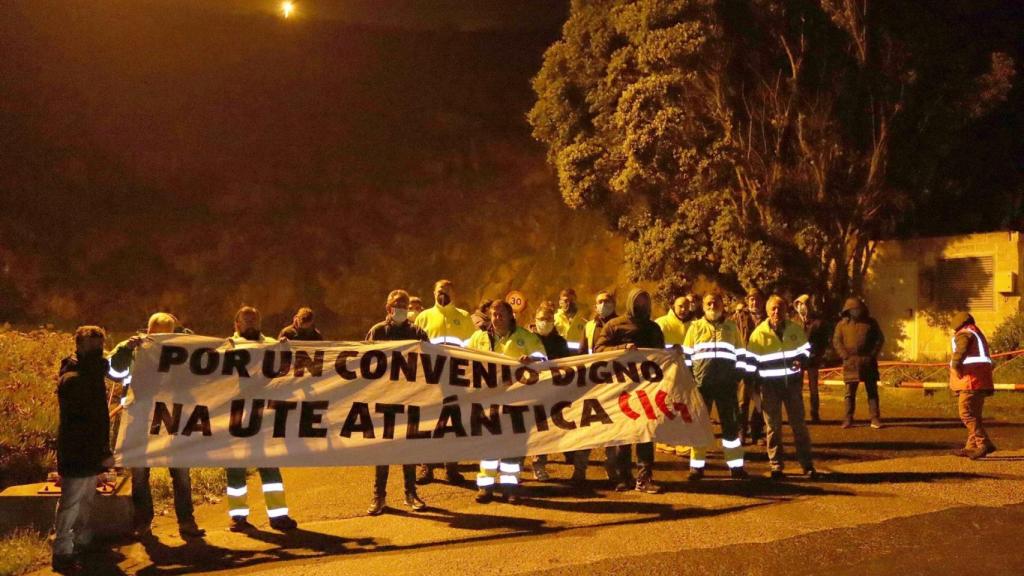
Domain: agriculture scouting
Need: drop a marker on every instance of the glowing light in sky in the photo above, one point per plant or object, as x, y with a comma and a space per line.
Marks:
287, 8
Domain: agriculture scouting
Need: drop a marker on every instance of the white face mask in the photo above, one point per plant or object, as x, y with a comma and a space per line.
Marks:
544, 327
606, 309
399, 315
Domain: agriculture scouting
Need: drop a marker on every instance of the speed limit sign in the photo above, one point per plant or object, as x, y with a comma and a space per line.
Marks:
517, 300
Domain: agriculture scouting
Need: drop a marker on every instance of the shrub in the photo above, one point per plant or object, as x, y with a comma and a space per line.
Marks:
22, 551
1009, 335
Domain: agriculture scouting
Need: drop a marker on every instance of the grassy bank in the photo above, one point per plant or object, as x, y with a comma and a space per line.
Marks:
22, 551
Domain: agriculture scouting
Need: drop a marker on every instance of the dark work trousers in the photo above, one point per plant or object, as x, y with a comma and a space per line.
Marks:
142, 498
380, 479
970, 404
623, 460
788, 395
871, 388
812, 387
751, 419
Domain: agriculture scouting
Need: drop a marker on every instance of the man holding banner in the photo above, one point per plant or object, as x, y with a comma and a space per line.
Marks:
504, 337
629, 332
395, 327
444, 324
247, 329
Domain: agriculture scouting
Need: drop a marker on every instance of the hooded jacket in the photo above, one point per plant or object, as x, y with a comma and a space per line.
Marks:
83, 434
858, 343
630, 329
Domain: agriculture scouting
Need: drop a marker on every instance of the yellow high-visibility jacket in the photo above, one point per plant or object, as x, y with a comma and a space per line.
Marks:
771, 357
446, 324
518, 343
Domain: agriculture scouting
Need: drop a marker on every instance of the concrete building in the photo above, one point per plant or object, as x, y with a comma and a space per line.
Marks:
914, 286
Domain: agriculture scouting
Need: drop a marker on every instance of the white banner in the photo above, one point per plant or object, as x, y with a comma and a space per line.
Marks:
198, 401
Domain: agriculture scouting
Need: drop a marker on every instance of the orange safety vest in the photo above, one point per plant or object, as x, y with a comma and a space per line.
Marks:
977, 364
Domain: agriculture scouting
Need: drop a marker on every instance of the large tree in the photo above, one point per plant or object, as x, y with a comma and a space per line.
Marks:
757, 142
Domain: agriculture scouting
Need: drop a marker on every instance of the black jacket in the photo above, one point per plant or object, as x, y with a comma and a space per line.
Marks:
630, 329
388, 330
858, 343
554, 345
299, 334
83, 435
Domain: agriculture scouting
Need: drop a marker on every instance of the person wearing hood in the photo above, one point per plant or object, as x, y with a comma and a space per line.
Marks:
303, 327
83, 444
122, 360
555, 346
506, 338
751, 418
569, 322
858, 341
970, 378
248, 329
629, 332
817, 334
444, 323
396, 326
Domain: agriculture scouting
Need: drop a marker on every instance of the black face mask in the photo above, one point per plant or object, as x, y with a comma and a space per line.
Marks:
444, 299
251, 334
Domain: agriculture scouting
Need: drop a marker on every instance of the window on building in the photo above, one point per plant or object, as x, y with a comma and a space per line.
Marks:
964, 283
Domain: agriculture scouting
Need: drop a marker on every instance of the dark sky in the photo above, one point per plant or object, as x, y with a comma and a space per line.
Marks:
194, 156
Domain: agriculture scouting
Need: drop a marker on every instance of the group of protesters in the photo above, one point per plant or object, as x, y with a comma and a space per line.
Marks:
748, 366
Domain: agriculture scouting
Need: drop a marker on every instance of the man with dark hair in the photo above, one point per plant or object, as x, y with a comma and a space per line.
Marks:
83, 444
395, 326
629, 332
303, 327
481, 317
247, 329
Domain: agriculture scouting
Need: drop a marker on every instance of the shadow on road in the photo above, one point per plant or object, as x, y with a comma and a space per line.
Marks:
199, 555
900, 477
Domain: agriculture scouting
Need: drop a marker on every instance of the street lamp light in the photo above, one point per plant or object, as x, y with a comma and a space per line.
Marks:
287, 8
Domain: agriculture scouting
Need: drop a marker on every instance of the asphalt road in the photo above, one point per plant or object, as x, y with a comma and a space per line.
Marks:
891, 502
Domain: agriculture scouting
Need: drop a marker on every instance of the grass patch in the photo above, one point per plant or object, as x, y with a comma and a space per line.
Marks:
28, 402
208, 486
22, 551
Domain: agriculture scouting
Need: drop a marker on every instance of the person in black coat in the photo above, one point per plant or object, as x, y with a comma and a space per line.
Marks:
396, 326
83, 443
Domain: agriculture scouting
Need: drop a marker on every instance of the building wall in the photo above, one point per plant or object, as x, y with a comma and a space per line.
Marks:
912, 292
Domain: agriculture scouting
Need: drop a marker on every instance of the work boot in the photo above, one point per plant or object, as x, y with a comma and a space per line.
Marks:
376, 506
977, 453
811, 473
283, 524
452, 474
625, 485
989, 447
695, 474
424, 474
876, 414
65, 564
484, 495
412, 500
776, 475
645, 483
851, 409
540, 472
189, 529
961, 452
241, 524
739, 473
